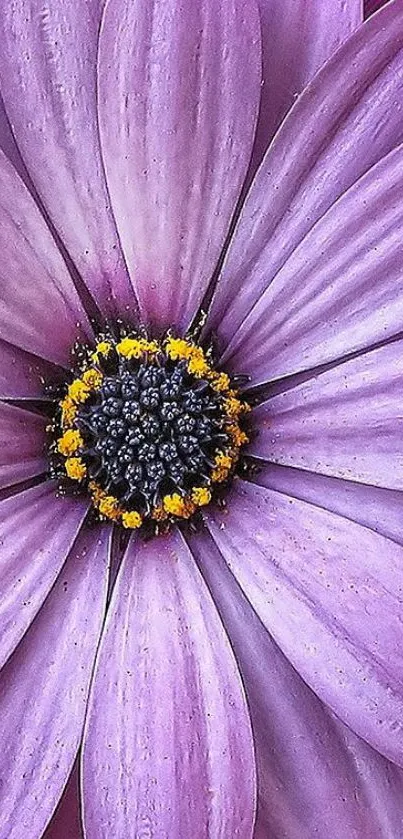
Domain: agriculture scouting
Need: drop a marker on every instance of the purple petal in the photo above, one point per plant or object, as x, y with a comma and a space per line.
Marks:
178, 105
36, 289
48, 80
327, 142
374, 507
345, 422
315, 777
66, 822
44, 688
168, 730
330, 592
297, 38
371, 6
37, 531
23, 440
340, 291
22, 375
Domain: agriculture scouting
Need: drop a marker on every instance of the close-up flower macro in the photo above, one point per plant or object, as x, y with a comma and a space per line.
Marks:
201, 419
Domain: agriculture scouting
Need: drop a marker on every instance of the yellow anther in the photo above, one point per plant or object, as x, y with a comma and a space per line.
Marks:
233, 407
177, 348
70, 442
224, 463
201, 496
131, 520
92, 378
108, 506
175, 505
150, 346
75, 468
239, 438
221, 382
103, 348
197, 364
130, 347
78, 391
158, 513
69, 410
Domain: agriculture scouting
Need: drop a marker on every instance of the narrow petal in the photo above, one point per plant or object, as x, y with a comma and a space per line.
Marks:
168, 730
315, 777
297, 38
327, 142
66, 822
345, 422
177, 105
377, 508
22, 375
37, 531
330, 592
48, 81
36, 289
340, 291
22, 445
44, 688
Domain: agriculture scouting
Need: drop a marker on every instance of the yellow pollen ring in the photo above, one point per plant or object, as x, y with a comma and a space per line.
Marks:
201, 496
75, 468
70, 442
101, 349
176, 505
132, 520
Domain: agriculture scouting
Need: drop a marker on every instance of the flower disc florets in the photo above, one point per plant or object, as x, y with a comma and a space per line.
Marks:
149, 428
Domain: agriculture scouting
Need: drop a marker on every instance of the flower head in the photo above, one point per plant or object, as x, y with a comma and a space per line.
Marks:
201, 468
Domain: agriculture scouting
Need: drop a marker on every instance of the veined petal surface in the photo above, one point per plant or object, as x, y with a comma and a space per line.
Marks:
44, 688
326, 143
23, 441
179, 87
48, 82
168, 730
330, 592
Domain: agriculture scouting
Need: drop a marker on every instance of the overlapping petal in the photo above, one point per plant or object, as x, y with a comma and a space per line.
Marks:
36, 290
315, 777
44, 687
66, 822
22, 375
48, 82
22, 444
37, 531
177, 104
374, 507
168, 730
297, 38
340, 291
330, 592
324, 146
345, 422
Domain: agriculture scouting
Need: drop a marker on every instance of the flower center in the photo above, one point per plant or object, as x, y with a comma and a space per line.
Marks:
149, 429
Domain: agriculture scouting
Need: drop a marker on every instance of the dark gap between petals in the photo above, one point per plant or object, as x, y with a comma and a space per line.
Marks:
29, 483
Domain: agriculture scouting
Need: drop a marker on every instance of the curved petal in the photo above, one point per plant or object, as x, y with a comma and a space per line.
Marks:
342, 125
36, 289
66, 821
315, 777
37, 531
168, 729
22, 445
340, 291
330, 592
374, 507
297, 38
22, 375
345, 422
177, 106
371, 6
44, 687
48, 81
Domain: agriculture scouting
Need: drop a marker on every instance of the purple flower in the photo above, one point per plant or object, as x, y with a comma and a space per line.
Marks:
242, 678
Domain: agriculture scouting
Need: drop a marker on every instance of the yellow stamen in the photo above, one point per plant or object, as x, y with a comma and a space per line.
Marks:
131, 520
197, 364
75, 468
224, 463
221, 382
78, 391
92, 378
103, 348
70, 442
109, 507
201, 496
176, 348
239, 438
175, 505
158, 513
69, 410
